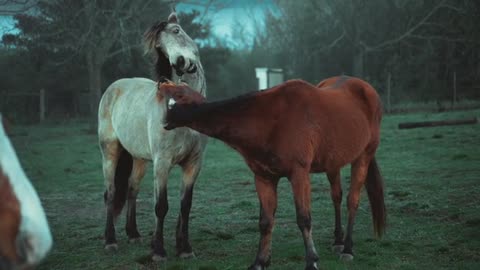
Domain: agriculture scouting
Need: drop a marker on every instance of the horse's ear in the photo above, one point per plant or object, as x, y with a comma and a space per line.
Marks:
172, 18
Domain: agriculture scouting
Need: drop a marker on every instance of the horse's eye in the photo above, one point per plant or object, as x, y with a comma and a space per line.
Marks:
176, 31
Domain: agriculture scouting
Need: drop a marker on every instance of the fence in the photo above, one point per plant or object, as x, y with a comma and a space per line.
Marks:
34, 107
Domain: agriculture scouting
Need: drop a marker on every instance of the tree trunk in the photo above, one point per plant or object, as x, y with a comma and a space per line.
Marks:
358, 63
94, 66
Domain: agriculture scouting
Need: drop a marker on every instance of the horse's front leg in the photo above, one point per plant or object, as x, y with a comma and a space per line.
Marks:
300, 181
191, 170
138, 171
267, 195
161, 171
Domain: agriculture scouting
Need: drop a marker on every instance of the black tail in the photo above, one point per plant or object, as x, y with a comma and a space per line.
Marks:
122, 173
374, 186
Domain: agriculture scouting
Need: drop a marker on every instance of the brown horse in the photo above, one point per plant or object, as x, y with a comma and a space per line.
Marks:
292, 130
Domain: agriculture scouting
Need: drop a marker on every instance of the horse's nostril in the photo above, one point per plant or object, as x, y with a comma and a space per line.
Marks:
192, 68
180, 62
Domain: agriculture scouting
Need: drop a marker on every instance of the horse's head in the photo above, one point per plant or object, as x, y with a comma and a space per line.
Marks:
25, 237
172, 44
179, 98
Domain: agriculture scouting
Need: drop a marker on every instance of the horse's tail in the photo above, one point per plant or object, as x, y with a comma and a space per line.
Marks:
122, 173
374, 186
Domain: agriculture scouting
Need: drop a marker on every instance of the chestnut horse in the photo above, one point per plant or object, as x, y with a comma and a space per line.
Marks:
25, 237
291, 130
131, 133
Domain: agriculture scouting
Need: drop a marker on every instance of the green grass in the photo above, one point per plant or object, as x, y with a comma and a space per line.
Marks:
432, 197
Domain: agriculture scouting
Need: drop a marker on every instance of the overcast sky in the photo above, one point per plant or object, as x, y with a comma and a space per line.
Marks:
235, 19
235, 23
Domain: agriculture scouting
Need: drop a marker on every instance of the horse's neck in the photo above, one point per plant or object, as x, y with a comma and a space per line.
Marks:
236, 128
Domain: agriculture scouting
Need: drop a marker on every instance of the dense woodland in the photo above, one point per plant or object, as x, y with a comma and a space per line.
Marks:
75, 48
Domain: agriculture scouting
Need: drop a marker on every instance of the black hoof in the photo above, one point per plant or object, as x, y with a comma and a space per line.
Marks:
311, 267
256, 267
346, 257
183, 248
112, 247
159, 258
158, 251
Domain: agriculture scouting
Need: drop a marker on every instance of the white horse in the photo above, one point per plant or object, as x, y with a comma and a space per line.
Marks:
131, 132
25, 237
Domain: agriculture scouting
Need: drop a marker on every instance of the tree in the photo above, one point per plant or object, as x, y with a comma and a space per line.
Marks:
415, 40
98, 32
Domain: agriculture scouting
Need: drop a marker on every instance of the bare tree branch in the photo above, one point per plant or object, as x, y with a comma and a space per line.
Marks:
410, 31
12, 7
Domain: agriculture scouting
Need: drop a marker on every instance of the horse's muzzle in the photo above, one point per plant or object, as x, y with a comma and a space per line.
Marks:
181, 66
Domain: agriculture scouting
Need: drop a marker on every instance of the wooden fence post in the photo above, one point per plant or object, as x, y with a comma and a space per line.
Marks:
389, 84
454, 101
42, 105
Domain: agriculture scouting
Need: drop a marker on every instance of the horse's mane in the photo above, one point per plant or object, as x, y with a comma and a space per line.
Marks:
231, 104
162, 63
192, 112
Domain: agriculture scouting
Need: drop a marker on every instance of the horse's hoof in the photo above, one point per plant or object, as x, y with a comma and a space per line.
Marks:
158, 258
346, 257
337, 249
111, 247
256, 267
135, 240
186, 255
312, 267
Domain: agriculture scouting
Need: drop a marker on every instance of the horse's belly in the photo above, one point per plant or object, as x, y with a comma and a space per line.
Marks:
342, 148
133, 137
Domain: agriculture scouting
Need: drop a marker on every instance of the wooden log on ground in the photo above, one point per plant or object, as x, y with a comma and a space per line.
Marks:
438, 123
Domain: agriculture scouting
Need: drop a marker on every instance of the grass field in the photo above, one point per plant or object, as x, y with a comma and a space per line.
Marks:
431, 175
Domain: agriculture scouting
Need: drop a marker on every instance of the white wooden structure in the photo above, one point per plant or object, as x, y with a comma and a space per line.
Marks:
269, 77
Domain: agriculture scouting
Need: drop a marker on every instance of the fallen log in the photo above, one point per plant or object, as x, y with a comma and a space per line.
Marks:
438, 123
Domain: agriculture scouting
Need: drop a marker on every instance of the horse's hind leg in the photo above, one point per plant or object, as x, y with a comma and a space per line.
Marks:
161, 169
191, 170
110, 154
138, 171
336, 195
300, 181
358, 177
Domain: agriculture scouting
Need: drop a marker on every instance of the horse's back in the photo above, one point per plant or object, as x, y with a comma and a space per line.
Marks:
124, 89
359, 90
124, 113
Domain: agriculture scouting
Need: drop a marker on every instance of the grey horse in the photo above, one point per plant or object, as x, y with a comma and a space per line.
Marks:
131, 133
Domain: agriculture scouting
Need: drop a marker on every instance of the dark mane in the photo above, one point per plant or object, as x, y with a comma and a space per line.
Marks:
162, 64
188, 113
